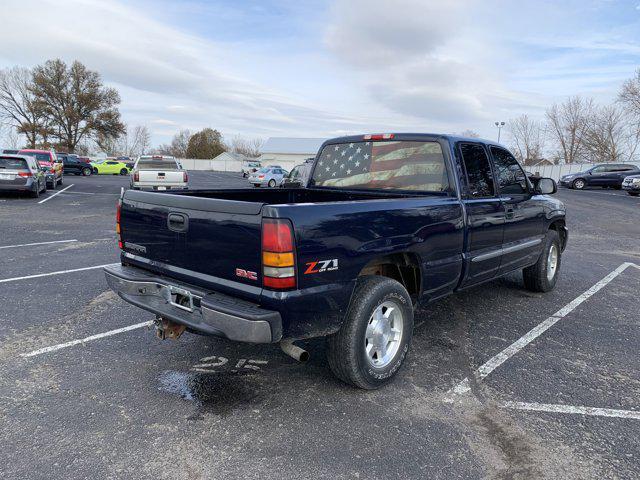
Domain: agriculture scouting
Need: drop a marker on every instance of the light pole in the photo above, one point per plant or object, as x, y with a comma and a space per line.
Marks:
499, 125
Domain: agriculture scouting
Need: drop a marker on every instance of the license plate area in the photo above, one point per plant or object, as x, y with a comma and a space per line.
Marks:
6, 176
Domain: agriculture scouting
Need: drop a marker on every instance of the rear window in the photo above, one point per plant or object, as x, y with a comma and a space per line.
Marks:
41, 157
13, 163
157, 164
394, 165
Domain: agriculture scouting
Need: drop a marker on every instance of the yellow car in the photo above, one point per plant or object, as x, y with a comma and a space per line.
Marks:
110, 167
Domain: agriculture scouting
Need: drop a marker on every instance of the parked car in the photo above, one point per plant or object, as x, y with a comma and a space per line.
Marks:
84, 159
400, 220
249, 167
158, 172
54, 170
297, 177
21, 173
632, 185
110, 167
269, 176
73, 165
603, 175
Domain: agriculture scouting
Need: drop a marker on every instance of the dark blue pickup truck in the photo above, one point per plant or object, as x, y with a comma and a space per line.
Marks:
385, 222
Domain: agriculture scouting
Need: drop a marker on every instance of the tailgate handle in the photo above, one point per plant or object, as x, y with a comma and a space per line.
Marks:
178, 222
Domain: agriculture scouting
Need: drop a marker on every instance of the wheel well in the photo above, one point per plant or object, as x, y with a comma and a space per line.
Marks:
402, 267
559, 226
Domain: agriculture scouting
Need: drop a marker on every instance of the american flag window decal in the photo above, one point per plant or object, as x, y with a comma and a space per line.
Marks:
397, 165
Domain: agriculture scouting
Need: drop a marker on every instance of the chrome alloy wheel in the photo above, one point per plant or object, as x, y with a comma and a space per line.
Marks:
384, 334
552, 262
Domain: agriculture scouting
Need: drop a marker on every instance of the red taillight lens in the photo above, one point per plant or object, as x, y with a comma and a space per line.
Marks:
260, 176
278, 259
118, 231
136, 176
276, 236
25, 174
185, 177
379, 136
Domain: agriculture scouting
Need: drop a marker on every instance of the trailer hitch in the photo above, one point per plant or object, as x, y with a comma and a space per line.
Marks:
168, 329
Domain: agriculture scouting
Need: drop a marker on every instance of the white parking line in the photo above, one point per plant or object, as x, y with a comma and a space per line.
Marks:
57, 193
37, 243
98, 336
60, 272
573, 409
494, 362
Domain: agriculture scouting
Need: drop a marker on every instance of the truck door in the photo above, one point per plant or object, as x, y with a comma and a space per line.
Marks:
524, 212
485, 215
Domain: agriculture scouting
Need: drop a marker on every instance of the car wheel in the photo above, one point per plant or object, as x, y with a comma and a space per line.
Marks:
60, 180
543, 275
53, 184
86, 171
36, 193
376, 334
124, 171
579, 184
272, 183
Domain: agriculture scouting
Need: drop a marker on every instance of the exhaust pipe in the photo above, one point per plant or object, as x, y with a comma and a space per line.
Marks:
295, 352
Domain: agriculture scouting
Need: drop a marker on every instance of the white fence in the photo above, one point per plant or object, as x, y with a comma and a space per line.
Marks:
215, 165
557, 171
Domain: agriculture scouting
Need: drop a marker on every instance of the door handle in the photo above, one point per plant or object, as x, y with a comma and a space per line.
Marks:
509, 213
178, 222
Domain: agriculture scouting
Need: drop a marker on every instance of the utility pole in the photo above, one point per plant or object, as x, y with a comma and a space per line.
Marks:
499, 125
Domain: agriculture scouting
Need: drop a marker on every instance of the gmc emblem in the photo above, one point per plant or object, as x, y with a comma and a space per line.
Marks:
246, 274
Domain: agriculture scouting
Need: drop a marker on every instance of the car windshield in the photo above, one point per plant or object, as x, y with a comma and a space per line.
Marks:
41, 157
393, 165
13, 163
157, 163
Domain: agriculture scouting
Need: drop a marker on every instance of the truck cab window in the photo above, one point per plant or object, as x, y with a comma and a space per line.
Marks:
511, 177
479, 176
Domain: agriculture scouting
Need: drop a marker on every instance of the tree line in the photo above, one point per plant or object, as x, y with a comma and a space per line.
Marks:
578, 130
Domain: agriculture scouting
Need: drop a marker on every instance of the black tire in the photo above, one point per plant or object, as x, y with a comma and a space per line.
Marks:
536, 278
61, 181
36, 193
272, 183
579, 184
124, 171
86, 171
633, 194
53, 184
346, 350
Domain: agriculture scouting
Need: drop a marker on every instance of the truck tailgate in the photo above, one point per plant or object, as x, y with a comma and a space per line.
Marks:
219, 239
158, 177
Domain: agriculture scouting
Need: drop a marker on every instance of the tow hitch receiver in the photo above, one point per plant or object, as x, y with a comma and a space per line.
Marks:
168, 329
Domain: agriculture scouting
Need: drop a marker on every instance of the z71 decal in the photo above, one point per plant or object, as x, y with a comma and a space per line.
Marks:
320, 266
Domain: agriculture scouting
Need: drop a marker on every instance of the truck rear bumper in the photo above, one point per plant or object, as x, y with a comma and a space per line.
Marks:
206, 312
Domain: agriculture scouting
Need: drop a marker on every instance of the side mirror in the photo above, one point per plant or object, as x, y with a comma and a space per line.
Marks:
545, 186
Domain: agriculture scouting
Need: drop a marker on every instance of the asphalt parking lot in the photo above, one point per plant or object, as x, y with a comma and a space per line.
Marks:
500, 382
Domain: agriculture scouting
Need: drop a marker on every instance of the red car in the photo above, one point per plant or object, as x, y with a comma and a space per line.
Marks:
48, 159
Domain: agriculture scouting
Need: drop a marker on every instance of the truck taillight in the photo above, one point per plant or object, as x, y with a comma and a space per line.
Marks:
379, 136
136, 176
118, 231
185, 177
278, 259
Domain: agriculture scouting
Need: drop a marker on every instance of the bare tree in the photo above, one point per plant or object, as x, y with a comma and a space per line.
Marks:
9, 137
180, 144
18, 106
528, 137
612, 136
470, 134
248, 147
568, 123
629, 95
132, 142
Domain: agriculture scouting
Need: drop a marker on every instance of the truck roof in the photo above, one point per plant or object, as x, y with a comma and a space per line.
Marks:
409, 136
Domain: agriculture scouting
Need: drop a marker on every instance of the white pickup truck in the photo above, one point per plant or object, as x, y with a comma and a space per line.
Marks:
158, 172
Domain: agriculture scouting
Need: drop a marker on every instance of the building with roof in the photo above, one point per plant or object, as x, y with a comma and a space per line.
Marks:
288, 152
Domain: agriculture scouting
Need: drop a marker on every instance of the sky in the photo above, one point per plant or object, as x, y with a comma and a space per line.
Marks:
327, 68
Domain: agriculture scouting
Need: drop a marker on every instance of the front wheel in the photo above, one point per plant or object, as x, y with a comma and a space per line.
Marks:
543, 275
272, 183
86, 171
579, 184
376, 334
124, 171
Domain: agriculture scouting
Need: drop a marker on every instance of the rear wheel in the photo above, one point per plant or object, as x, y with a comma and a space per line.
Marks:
53, 184
124, 171
376, 334
36, 193
86, 171
272, 183
579, 184
60, 181
543, 275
